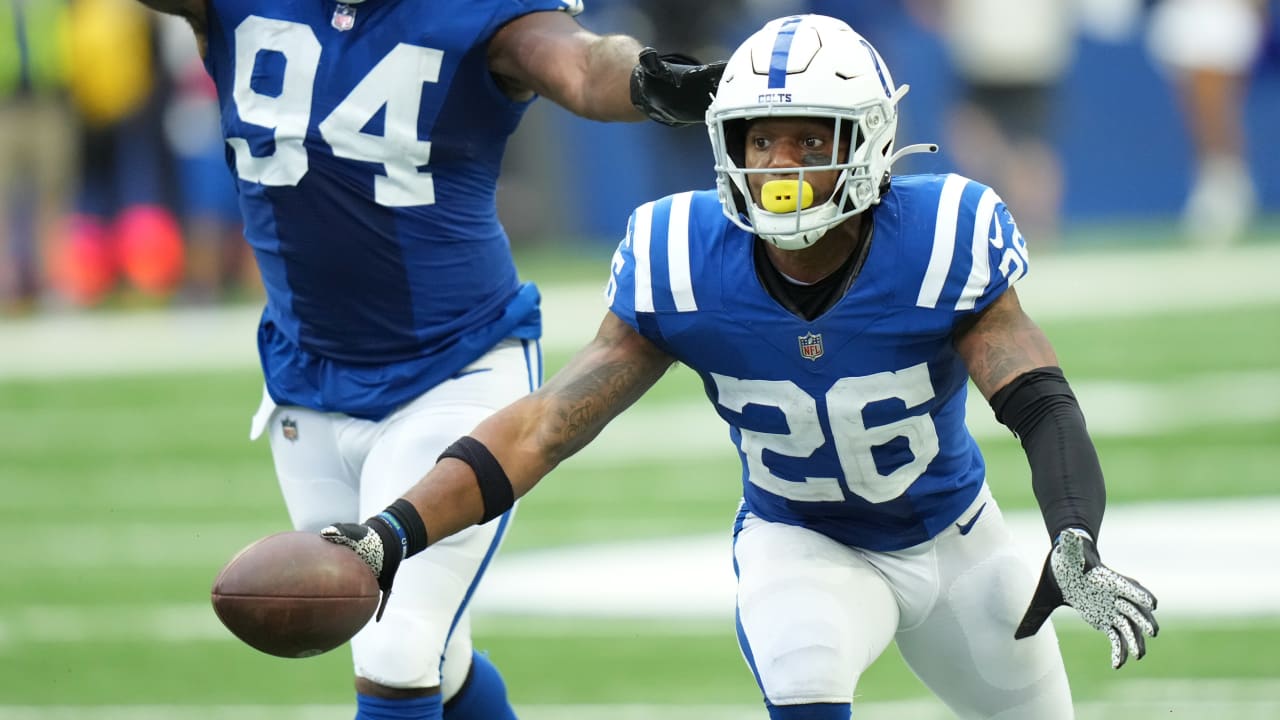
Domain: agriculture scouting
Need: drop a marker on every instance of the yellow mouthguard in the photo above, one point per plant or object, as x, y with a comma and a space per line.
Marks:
779, 196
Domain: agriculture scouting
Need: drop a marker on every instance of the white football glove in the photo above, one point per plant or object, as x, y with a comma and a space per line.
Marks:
1117, 605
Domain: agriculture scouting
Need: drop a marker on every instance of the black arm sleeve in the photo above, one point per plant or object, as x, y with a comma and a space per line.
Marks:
1065, 473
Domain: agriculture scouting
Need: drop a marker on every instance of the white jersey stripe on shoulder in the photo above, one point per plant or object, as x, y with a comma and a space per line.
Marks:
944, 242
678, 253
641, 236
980, 273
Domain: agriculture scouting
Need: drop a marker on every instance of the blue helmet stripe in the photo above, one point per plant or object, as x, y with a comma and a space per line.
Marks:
781, 49
879, 70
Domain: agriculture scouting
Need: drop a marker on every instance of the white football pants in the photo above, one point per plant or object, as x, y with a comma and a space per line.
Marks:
813, 614
335, 468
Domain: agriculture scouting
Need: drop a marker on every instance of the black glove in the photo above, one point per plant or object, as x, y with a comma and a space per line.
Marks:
674, 89
371, 540
1119, 606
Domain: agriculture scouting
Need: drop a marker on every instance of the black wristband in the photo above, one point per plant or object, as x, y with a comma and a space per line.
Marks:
1065, 472
410, 526
495, 487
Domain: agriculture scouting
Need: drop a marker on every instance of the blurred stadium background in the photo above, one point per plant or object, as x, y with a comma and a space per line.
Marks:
127, 377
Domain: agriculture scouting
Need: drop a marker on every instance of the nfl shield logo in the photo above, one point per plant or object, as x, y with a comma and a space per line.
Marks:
289, 429
810, 346
344, 17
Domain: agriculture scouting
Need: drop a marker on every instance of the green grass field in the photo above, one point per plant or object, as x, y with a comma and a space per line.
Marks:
124, 495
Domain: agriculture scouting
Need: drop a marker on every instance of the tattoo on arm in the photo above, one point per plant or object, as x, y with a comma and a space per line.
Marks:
582, 406
1001, 344
598, 384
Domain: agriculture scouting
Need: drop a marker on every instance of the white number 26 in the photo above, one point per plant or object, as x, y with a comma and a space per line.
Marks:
854, 440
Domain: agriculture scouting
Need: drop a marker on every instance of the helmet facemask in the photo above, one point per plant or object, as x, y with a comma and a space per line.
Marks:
863, 143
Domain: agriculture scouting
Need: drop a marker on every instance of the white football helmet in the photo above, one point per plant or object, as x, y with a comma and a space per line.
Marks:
806, 66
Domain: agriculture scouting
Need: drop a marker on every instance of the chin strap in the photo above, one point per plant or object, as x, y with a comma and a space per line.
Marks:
913, 150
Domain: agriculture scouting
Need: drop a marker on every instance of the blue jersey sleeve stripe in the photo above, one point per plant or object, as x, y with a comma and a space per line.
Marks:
980, 272
944, 242
678, 253
641, 237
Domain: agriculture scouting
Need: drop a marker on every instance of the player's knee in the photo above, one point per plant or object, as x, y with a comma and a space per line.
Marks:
810, 657
815, 672
399, 651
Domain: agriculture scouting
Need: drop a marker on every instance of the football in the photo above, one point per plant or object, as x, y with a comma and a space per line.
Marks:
295, 594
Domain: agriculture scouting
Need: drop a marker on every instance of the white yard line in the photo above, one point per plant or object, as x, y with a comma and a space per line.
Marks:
1201, 558
1071, 285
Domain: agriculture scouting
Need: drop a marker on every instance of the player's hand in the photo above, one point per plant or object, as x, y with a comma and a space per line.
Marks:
1117, 605
674, 89
378, 546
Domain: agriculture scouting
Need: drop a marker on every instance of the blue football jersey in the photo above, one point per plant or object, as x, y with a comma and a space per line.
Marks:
851, 424
366, 141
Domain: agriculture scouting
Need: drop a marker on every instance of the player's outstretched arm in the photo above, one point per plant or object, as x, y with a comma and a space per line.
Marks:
1015, 368
481, 475
533, 435
607, 77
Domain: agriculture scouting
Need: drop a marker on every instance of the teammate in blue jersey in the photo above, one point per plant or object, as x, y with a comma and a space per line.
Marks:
835, 314
366, 138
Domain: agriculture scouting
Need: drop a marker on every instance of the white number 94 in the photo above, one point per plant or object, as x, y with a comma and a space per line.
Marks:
395, 83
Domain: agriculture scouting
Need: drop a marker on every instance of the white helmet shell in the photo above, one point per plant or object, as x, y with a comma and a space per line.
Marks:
809, 66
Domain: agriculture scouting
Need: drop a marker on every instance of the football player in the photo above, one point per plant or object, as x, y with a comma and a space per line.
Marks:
835, 314
366, 139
